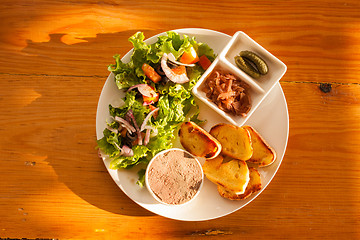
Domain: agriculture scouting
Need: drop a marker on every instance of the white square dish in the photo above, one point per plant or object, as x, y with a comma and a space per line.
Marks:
254, 91
259, 88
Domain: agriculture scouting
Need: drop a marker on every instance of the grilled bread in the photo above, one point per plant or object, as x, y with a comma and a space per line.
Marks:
253, 186
197, 141
235, 141
263, 154
232, 175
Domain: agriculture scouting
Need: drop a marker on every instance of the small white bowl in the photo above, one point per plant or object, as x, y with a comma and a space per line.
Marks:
259, 88
174, 189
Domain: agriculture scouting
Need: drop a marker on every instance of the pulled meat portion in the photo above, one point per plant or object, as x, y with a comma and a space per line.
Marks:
229, 93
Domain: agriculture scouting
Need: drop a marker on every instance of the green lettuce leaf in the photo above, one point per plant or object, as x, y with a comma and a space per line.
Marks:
125, 75
204, 49
107, 143
141, 180
140, 153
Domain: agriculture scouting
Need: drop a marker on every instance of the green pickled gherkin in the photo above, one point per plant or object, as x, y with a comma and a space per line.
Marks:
246, 67
258, 61
251, 64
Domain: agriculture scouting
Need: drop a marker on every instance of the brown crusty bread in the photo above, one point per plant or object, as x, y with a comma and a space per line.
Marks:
263, 154
235, 141
197, 141
232, 175
253, 186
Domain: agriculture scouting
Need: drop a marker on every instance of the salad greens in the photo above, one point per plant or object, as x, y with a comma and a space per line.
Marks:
159, 117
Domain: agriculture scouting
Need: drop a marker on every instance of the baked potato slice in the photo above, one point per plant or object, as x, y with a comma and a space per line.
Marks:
235, 141
198, 141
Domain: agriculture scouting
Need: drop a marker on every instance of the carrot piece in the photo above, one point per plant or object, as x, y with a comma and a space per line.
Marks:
150, 100
204, 62
151, 73
189, 57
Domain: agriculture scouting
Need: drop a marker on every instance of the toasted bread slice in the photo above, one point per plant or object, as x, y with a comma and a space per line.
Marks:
235, 141
198, 142
253, 186
212, 165
263, 154
232, 175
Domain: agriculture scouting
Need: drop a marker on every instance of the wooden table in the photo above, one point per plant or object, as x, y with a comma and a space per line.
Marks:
53, 64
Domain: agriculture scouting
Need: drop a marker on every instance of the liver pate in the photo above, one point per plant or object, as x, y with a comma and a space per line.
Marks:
174, 176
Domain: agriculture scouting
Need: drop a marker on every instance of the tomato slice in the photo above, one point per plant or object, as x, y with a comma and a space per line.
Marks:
204, 62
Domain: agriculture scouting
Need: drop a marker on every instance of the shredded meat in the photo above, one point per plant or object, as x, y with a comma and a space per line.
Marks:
228, 93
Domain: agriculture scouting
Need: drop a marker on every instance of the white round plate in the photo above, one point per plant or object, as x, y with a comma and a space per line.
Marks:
271, 119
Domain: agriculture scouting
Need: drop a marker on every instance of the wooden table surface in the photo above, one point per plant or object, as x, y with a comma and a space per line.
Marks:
53, 64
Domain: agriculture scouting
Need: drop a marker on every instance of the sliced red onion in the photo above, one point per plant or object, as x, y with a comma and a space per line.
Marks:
147, 91
133, 87
128, 118
154, 130
109, 119
127, 128
144, 89
131, 115
127, 151
147, 136
125, 123
147, 119
176, 78
113, 130
172, 59
120, 149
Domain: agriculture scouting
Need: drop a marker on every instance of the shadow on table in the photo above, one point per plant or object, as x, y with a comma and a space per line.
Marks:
68, 81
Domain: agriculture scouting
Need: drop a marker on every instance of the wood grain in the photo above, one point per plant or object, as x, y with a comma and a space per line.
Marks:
53, 60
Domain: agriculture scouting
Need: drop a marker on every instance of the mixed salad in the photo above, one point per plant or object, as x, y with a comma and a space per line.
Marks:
157, 83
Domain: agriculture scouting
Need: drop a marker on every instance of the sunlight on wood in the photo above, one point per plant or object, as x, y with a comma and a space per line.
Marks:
87, 23
20, 97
